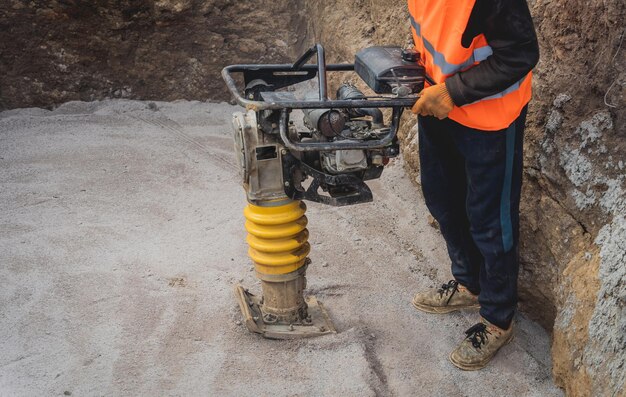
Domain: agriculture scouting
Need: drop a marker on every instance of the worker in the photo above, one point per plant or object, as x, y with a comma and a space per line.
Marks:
478, 56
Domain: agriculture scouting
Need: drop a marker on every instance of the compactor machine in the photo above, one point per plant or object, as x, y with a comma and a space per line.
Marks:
326, 155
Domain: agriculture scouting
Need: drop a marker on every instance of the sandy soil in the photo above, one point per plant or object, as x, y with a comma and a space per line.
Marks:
121, 236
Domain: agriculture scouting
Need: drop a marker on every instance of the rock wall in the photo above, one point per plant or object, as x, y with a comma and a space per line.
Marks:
61, 50
573, 278
575, 201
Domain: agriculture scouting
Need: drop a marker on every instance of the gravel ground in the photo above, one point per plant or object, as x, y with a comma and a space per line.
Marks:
121, 237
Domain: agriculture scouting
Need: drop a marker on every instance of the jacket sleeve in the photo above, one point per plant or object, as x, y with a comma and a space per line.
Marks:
509, 30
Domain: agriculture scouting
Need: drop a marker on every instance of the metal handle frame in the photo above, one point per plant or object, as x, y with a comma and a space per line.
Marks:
301, 71
320, 70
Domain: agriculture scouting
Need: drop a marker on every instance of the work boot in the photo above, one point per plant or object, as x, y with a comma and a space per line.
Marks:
448, 298
482, 342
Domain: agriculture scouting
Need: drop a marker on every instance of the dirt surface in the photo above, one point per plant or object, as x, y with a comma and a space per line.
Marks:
573, 228
121, 237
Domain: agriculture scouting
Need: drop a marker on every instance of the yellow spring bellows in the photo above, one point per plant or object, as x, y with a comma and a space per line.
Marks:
277, 237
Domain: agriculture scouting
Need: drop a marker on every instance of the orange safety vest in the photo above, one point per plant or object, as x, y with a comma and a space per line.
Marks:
438, 27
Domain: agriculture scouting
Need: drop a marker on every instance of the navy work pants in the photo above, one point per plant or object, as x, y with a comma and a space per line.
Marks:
471, 181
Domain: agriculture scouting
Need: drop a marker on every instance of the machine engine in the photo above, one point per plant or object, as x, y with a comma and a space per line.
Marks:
344, 142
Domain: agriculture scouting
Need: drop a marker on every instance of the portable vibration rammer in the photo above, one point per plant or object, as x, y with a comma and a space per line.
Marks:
341, 143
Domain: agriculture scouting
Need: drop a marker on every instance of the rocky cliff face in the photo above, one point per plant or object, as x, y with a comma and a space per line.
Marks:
573, 275
575, 201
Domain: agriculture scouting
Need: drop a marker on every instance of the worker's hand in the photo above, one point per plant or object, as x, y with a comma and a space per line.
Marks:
434, 101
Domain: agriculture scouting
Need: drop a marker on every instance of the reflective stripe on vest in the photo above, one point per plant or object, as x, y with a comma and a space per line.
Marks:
438, 26
479, 54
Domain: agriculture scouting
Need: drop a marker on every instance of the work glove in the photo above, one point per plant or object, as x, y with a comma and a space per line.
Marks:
434, 101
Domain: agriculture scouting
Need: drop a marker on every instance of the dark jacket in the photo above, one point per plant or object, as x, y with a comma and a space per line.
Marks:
509, 30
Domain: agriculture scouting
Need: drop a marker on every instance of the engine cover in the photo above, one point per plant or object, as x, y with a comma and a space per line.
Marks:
259, 159
342, 161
